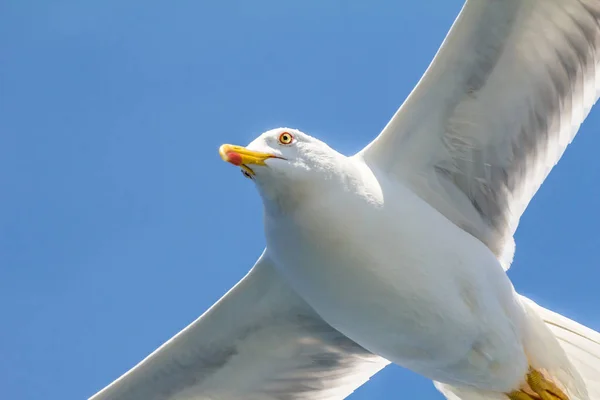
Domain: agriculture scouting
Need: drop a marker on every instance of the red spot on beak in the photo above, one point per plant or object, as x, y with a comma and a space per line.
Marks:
234, 158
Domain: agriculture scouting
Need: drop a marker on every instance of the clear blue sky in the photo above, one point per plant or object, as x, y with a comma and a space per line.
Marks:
116, 210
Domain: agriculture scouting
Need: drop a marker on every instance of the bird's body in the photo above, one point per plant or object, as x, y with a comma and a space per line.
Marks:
398, 253
400, 279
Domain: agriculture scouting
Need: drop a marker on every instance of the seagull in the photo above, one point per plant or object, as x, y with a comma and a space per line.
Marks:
398, 254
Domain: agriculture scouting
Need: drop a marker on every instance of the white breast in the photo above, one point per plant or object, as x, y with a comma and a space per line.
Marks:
385, 275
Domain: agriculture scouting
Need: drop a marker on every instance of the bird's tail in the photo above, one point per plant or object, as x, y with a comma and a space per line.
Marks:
562, 349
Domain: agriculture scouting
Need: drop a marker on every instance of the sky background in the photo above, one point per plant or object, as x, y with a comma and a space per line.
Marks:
115, 205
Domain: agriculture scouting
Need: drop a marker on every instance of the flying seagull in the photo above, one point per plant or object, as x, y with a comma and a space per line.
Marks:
398, 254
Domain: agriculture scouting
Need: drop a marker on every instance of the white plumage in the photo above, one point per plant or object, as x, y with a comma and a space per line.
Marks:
397, 254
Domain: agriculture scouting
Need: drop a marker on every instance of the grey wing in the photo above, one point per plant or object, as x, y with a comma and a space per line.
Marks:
260, 341
494, 112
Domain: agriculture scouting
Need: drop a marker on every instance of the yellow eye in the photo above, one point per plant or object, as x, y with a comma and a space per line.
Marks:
286, 138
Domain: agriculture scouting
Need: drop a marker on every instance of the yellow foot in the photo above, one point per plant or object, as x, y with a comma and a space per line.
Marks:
539, 389
544, 388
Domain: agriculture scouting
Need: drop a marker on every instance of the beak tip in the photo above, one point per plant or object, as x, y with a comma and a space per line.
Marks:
228, 154
223, 151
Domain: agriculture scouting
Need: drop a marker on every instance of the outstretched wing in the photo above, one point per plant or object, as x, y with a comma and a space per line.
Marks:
494, 112
260, 341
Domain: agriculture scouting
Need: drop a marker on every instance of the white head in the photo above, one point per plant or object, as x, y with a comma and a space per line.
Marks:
285, 163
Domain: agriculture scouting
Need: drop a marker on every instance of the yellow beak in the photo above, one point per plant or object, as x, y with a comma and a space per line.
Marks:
243, 157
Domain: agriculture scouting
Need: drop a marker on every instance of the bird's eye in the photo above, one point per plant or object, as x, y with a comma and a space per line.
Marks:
286, 138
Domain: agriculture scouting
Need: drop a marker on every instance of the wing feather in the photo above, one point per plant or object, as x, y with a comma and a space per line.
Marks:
494, 112
260, 341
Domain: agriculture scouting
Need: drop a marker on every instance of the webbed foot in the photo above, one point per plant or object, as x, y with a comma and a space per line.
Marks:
540, 388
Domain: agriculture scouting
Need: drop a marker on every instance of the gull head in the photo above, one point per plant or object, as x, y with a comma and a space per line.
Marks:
284, 162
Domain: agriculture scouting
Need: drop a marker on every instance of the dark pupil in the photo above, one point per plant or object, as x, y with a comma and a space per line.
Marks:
286, 138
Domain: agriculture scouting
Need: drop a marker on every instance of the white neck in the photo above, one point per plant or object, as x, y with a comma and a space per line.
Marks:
284, 195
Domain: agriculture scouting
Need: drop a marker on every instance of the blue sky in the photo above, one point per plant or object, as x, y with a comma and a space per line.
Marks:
116, 208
